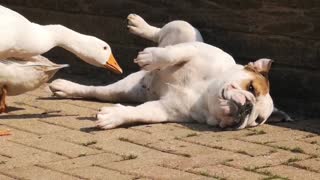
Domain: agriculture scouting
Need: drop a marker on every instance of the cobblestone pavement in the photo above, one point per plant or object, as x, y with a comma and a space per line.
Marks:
56, 139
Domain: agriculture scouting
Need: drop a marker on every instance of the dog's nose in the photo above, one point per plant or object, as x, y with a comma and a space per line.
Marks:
246, 109
243, 112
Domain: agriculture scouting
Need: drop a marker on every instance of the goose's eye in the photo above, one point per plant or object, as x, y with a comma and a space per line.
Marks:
105, 48
251, 89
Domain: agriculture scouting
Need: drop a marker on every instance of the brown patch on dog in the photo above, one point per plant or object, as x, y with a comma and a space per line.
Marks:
258, 85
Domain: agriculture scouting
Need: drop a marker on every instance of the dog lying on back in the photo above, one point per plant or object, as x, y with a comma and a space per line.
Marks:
182, 80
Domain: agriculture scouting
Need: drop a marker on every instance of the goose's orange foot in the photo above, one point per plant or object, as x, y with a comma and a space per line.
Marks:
3, 106
5, 133
3, 109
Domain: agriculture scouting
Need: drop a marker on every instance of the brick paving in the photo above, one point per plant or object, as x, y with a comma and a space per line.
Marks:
56, 139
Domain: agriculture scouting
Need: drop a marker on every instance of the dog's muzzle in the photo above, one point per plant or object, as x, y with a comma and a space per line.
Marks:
239, 109
243, 112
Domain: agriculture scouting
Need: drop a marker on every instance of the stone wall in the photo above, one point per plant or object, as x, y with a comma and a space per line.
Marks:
285, 31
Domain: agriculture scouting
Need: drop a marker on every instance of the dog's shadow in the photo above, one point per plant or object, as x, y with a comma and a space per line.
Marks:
301, 124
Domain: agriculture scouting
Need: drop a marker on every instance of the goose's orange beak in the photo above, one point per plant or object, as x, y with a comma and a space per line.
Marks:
112, 65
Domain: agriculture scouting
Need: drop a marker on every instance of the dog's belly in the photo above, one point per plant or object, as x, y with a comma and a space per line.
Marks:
186, 75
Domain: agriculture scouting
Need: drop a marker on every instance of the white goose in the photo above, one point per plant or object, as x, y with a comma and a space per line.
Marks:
25, 41
17, 77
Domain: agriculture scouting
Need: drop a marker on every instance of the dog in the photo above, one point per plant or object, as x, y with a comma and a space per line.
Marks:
182, 80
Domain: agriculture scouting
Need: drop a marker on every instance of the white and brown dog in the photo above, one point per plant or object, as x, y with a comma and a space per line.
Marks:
182, 80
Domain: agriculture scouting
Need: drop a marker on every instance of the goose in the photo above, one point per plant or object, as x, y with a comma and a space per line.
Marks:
22, 68
20, 38
17, 76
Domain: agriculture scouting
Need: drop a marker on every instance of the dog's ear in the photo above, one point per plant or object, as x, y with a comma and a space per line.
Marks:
262, 66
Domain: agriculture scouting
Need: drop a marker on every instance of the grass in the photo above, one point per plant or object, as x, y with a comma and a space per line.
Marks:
89, 143
203, 173
275, 177
291, 160
250, 169
272, 176
273, 151
267, 173
123, 139
256, 132
297, 150
314, 142
192, 135
129, 157
294, 150
81, 155
243, 152
59, 153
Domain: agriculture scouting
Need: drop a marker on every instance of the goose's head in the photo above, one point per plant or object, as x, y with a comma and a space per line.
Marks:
98, 53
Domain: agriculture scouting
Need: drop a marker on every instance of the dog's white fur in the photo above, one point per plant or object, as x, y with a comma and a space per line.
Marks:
182, 80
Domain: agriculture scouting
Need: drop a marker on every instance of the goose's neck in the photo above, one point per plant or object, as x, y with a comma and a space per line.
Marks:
67, 38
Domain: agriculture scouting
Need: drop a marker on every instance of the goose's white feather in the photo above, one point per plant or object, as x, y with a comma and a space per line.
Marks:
21, 76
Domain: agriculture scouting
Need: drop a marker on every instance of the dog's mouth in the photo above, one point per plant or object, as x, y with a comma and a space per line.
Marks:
240, 112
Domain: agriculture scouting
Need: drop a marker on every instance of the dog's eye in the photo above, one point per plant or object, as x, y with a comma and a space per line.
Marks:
251, 88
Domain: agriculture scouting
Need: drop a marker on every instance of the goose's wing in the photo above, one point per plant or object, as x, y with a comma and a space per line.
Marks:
39, 62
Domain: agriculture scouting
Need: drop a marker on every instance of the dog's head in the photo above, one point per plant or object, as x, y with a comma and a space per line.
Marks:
241, 96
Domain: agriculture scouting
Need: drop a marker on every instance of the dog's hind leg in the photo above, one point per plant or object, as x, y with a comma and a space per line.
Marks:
130, 89
138, 26
174, 32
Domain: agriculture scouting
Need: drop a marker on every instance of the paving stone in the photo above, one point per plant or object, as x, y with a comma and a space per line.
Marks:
166, 131
121, 148
77, 137
82, 162
231, 144
35, 126
58, 146
94, 105
62, 108
309, 164
182, 148
227, 172
16, 134
20, 113
217, 157
298, 146
72, 122
277, 136
268, 128
291, 172
94, 172
31, 172
16, 155
3, 177
117, 133
276, 158
313, 140
138, 167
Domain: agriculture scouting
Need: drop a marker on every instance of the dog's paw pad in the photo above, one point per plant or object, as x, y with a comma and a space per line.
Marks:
63, 88
110, 117
137, 25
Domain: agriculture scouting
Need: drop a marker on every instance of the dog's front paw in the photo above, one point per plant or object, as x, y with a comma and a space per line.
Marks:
63, 88
111, 117
137, 25
150, 59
